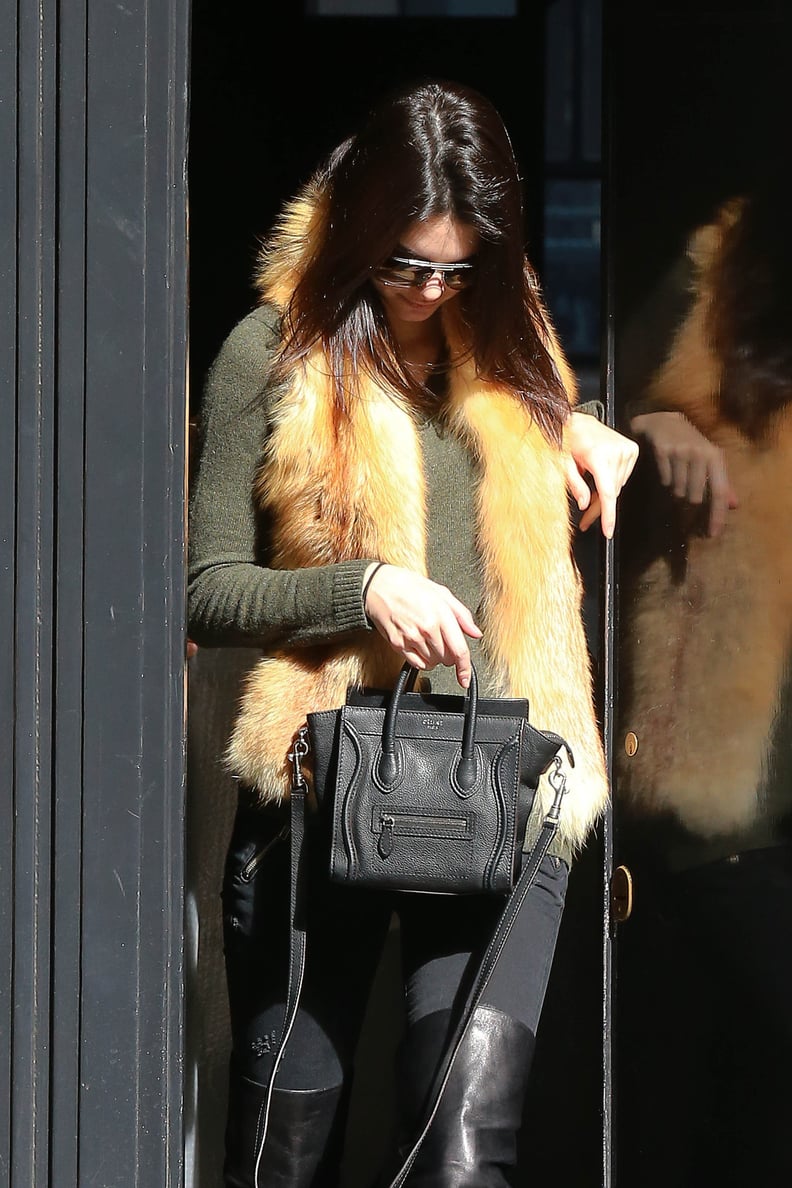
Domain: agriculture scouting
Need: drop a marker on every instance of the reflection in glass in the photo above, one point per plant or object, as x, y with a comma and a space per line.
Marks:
705, 803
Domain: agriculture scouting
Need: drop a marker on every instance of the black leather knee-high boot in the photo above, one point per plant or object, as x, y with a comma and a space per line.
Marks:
305, 1133
472, 1142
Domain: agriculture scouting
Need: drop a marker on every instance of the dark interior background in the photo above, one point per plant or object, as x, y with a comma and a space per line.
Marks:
698, 108
273, 89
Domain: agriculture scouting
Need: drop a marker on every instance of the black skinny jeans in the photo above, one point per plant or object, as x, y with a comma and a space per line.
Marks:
442, 940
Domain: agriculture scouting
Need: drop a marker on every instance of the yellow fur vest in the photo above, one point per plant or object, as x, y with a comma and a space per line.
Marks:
708, 651
357, 491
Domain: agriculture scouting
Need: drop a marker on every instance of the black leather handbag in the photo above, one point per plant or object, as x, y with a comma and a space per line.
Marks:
424, 793
427, 792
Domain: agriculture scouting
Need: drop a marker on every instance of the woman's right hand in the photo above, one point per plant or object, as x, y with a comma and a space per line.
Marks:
688, 462
420, 619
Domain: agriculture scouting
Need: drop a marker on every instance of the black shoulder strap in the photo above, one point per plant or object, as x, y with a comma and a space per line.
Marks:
297, 942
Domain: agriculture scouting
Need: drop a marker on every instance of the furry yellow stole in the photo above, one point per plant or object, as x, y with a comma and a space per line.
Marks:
355, 489
708, 652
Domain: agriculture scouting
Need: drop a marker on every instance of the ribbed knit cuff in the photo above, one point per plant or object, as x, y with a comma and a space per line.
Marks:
593, 408
348, 595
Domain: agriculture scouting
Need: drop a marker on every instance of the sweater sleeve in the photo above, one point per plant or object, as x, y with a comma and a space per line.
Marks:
233, 599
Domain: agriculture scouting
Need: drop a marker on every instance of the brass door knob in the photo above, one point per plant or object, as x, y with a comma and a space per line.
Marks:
621, 894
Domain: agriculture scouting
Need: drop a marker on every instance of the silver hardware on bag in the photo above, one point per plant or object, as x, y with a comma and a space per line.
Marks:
557, 780
296, 756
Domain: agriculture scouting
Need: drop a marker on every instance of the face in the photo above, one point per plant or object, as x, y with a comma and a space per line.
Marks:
441, 239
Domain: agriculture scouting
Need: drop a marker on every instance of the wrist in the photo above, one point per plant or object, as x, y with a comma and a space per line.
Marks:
368, 577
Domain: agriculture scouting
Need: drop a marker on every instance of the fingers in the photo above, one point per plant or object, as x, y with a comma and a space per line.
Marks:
610, 476
697, 479
664, 468
691, 465
610, 472
579, 488
422, 620
682, 485
723, 498
609, 457
607, 500
591, 515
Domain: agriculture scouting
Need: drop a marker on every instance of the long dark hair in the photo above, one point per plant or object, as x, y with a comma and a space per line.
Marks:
750, 319
434, 148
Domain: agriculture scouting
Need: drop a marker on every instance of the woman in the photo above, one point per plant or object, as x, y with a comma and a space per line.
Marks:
397, 397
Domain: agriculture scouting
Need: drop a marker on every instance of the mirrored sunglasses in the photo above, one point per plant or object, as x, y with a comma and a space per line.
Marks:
403, 271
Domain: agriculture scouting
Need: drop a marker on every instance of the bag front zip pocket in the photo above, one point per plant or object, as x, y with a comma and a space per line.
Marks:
387, 824
250, 869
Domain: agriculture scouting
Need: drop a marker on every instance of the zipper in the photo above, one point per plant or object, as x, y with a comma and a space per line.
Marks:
392, 824
249, 870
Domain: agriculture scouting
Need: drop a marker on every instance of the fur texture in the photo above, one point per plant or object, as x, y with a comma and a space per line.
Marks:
709, 627
337, 490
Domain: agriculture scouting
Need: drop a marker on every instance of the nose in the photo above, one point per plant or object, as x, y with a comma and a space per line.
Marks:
434, 286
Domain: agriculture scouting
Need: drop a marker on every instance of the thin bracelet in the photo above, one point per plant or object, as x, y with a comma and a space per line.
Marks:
375, 570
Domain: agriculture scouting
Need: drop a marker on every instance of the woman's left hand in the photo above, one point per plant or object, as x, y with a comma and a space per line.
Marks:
609, 457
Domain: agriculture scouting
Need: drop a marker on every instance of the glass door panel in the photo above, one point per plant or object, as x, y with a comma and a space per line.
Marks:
699, 209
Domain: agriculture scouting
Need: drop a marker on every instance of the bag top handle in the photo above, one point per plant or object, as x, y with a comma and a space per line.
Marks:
466, 769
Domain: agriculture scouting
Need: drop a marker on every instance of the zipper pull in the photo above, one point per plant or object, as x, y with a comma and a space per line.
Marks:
385, 842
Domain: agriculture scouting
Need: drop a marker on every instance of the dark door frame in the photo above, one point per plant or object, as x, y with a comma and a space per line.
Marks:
93, 343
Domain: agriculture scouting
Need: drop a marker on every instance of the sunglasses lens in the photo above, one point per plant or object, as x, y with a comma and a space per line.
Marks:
458, 278
397, 272
403, 274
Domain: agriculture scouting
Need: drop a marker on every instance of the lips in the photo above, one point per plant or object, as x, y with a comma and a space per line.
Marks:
420, 306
